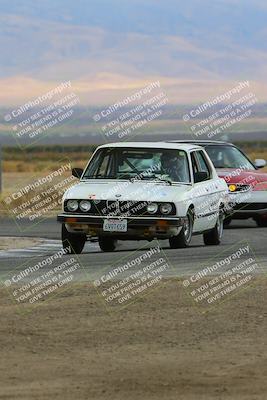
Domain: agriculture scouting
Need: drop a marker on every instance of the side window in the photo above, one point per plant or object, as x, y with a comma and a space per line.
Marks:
194, 162
202, 163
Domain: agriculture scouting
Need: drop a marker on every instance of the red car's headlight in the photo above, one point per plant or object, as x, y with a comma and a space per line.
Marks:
238, 187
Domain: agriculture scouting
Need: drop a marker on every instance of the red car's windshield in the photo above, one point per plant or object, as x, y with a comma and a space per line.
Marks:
228, 157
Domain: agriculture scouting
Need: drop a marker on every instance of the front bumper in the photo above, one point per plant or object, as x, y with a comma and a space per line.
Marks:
137, 227
249, 204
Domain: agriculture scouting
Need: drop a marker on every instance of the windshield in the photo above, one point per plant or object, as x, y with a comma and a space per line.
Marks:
139, 163
228, 157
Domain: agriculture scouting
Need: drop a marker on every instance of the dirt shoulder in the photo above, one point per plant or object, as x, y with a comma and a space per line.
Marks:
8, 243
160, 348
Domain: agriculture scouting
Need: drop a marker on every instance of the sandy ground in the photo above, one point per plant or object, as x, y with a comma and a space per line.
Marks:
162, 347
7, 243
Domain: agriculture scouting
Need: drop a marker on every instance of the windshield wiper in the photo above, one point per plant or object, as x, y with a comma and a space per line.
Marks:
169, 181
100, 176
148, 177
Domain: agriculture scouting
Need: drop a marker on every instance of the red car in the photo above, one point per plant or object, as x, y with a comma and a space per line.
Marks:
247, 184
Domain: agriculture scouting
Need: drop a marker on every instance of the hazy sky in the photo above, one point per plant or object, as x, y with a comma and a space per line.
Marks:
106, 47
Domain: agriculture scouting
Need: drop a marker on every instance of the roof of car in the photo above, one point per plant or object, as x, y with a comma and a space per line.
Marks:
202, 142
158, 145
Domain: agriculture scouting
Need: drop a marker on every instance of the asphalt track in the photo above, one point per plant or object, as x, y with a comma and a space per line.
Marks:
184, 262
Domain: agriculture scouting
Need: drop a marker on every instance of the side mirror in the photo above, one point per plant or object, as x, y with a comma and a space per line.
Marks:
201, 176
259, 163
77, 172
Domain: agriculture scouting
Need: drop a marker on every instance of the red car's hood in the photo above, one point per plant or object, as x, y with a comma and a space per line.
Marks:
250, 177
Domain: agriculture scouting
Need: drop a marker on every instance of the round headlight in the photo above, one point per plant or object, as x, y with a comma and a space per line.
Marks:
232, 188
152, 208
72, 205
166, 208
85, 205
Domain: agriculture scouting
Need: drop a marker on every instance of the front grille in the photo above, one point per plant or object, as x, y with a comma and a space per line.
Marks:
118, 208
115, 208
250, 206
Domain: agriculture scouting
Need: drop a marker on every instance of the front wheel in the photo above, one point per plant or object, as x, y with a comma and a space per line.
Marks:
261, 221
73, 243
183, 239
227, 221
214, 237
107, 244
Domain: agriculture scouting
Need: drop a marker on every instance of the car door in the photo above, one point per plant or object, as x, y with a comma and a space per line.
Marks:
203, 193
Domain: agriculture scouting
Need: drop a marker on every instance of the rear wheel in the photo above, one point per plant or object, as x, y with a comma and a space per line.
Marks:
214, 237
73, 243
183, 239
261, 221
107, 244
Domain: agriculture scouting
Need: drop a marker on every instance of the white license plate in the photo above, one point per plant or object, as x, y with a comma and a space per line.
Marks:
115, 225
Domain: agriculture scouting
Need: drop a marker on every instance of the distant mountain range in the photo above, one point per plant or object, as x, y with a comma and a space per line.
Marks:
196, 48
92, 139
82, 129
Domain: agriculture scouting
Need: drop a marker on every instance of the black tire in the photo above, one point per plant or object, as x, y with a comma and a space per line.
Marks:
261, 221
107, 244
214, 236
73, 243
183, 239
227, 221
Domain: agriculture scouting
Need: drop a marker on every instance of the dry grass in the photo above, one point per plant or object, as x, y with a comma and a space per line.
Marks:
160, 348
39, 161
43, 161
18, 166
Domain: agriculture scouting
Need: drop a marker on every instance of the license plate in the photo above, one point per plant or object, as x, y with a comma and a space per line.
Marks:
115, 225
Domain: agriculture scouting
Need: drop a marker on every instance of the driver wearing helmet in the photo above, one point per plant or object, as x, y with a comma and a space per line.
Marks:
174, 166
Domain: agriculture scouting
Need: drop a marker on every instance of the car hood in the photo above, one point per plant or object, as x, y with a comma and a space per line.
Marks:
125, 190
235, 175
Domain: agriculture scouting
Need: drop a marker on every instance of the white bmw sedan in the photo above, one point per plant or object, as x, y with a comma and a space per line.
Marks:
144, 191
